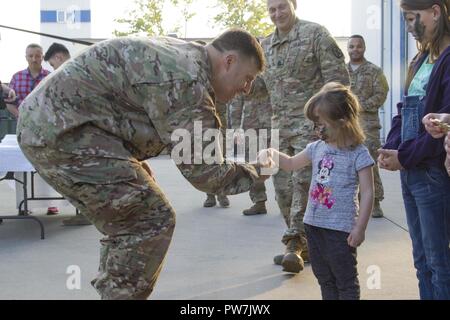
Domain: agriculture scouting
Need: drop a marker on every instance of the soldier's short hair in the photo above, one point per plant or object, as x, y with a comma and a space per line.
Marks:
56, 48
34, 46
242, 42
358, 36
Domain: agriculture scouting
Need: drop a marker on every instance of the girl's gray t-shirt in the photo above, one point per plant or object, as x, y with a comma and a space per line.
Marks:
333, 194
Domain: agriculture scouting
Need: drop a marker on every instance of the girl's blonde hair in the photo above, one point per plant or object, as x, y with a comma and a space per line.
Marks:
340, 108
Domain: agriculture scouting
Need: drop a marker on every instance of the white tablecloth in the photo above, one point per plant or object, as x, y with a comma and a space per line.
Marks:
13, 160
11, 157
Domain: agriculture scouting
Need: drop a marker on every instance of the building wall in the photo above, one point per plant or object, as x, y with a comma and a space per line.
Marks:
66, 18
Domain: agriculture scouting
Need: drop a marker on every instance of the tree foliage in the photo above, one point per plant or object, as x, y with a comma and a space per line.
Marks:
250, 15
147, 18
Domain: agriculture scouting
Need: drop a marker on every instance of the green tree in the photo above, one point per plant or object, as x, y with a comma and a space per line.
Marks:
250, 15
145, 19
185, 11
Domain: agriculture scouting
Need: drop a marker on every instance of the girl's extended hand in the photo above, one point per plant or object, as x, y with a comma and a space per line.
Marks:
265, 159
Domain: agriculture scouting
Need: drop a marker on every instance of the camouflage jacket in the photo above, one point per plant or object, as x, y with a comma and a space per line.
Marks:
369, 84
298, 66
136, 93
252, 111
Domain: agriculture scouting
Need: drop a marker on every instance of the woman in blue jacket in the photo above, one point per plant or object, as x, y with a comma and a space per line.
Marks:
420, 157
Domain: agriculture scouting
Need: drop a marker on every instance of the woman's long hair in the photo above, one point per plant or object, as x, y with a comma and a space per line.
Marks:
443, 29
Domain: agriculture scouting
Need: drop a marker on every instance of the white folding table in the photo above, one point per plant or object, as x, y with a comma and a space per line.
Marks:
12, 161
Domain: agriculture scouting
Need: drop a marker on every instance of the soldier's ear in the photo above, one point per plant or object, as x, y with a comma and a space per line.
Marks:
230, 59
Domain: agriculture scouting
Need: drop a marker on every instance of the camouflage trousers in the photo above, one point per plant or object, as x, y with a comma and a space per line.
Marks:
258, 192
373, 144
292, 189
131, 211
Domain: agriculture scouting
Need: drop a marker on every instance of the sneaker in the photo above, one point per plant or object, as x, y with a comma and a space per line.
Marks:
51, 211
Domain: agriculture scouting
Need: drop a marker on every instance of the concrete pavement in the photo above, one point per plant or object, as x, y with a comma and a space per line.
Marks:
215, 253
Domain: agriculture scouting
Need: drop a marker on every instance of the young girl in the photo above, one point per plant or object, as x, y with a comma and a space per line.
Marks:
339, 160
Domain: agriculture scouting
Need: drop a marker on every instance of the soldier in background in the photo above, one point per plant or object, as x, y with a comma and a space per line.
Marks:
369, 84
90, 125
222, 114
301, 56
253, 111
56, 55
224, 202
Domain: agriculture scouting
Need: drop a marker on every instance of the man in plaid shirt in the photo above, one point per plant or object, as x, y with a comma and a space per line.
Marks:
23, 82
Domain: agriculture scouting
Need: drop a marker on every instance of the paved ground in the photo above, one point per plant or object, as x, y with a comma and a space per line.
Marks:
215, 253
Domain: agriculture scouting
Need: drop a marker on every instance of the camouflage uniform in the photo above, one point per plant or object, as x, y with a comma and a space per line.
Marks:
222, 114
87, 128
369, 84
253, 111
298, 66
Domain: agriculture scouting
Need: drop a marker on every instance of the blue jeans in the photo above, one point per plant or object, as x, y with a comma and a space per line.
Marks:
426, 194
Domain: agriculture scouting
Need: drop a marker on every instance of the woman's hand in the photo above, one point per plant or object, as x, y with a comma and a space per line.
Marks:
388, 160
437, 124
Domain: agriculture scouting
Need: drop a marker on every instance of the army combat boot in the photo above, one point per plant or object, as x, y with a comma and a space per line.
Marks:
257, 208
223, 201
292, 261
279, 258
377, 212
210, 201
78, 220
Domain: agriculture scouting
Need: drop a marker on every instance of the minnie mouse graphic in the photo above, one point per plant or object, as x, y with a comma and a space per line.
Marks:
322, 194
